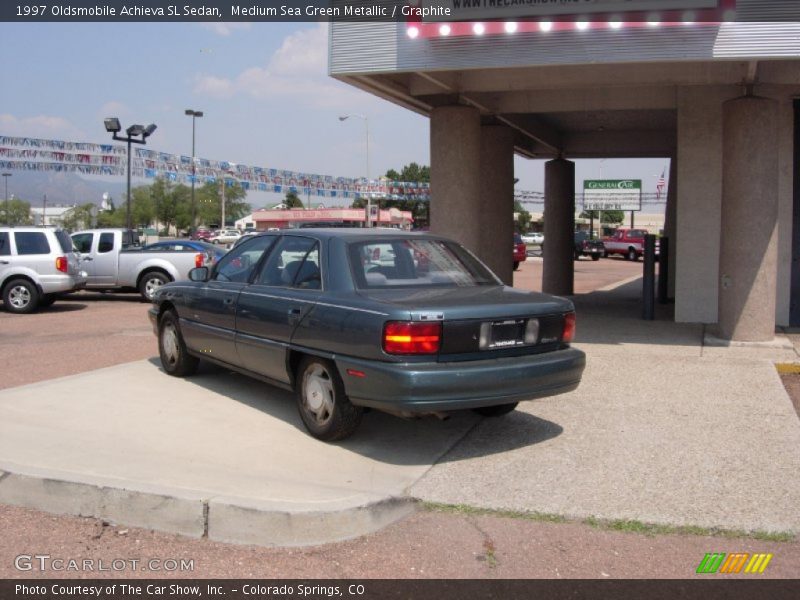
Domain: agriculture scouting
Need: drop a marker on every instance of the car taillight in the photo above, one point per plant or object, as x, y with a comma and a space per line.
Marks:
569, 328
62, 264
199, 259
411, 337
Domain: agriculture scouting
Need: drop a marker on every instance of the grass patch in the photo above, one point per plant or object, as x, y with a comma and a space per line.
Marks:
622, 525
788, 368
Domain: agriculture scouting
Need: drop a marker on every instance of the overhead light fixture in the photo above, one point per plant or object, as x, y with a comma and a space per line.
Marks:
135, 130
615, 24
478, 29
545, 26
412, 32
511, 27
112, 125
444, 30
581, 25
148, 131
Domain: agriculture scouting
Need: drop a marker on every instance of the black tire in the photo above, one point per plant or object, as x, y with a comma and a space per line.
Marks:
47, 300
595, 257
632, 256
20, 296
498, 410
175, 359
516, 265
327, 413
150, 282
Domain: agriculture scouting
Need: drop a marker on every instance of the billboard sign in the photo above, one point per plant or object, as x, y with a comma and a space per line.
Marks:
612, 194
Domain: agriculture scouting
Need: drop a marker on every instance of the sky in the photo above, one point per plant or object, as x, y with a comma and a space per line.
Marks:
263, 88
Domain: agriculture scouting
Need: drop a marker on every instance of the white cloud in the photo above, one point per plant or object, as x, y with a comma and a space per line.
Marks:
298, 70
113, 109
44, 126
225, 29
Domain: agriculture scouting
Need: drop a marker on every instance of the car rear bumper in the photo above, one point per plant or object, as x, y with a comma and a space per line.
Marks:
426, 387
54, 284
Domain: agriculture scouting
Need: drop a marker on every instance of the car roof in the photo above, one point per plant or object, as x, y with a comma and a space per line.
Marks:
353, 233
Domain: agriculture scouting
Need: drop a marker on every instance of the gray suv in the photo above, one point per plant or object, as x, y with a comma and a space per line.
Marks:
35, 265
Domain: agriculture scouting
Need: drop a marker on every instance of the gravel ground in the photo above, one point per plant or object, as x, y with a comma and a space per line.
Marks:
91, 330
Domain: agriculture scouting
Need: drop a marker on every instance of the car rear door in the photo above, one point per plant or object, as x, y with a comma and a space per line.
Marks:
280, 297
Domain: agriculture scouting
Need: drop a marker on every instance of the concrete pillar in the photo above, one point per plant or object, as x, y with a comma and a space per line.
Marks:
670, 225
559, 227
455, 175
496, 209
748, 240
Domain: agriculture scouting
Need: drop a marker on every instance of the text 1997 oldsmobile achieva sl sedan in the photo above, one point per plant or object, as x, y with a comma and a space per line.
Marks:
352, 318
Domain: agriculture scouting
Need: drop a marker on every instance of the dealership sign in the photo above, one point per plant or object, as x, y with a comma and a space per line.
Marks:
612, 194
502, 9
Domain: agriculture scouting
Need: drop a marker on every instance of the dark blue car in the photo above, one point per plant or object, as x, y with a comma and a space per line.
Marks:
407, 323
212, 250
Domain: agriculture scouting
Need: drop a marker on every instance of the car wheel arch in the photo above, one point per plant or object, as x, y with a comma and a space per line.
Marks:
16, 277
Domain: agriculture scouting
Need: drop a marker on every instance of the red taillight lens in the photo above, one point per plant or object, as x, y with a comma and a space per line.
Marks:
409, 337
199, 259
569, 328
62, 264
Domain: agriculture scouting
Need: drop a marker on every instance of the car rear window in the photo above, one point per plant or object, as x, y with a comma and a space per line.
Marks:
31, 242
64, 241
415, 263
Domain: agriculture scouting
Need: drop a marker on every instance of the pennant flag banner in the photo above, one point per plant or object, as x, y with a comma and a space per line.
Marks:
33, 154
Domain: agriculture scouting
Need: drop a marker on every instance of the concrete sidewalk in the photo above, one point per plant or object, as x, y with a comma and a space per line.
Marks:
663, 429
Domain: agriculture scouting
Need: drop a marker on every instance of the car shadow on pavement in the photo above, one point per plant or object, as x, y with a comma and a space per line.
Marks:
384, 437
84, 296
61, 307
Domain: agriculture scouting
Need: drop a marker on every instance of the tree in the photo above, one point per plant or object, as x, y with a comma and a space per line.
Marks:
612, 217
292, 200
523, 221
209, 202
15, 212
79, 217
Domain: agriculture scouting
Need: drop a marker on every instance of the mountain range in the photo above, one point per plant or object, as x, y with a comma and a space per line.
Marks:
61, 189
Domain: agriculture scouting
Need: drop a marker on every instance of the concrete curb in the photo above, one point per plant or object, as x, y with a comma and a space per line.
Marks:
190, 513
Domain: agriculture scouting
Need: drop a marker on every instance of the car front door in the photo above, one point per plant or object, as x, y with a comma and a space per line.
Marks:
282, 294
5, 255
211, 309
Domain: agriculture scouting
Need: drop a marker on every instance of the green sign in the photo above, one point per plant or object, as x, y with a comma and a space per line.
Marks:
612, 194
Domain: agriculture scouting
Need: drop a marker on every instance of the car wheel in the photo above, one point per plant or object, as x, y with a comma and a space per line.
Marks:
175, 359
595, 257
632, 256
47, 300
21, 296
516, 265
324, 408
498, 410
150, 282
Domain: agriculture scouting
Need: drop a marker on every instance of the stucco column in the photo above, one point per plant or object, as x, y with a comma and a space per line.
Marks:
496, 208
670, 225
455, 175
748, 240
559, 227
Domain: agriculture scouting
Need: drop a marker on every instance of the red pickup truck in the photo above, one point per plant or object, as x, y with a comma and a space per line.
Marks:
626, 242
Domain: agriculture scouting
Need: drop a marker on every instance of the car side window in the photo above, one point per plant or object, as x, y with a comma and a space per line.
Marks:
238, 264
5, 250
106, 243
31, 242
293, 263
82, 242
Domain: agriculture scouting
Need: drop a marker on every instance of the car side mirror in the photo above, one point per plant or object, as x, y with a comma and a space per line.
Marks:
199, 274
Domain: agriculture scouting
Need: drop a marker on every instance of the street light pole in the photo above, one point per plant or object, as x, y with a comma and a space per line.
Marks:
8, 208
113, 126
195, 114
366, 127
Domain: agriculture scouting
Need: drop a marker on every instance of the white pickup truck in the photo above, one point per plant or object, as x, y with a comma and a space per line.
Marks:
113, 260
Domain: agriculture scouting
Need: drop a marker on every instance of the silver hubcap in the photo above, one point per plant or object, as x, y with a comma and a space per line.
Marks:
19, 297
151, 285
318, 393
169, 342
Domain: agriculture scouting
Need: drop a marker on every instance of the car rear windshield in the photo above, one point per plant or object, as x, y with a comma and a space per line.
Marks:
415, 263
64, 241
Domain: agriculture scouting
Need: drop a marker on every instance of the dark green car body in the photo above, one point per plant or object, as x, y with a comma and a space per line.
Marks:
495, 344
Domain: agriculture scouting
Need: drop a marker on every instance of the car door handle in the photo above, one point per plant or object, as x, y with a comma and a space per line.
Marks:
228, 301
294, 315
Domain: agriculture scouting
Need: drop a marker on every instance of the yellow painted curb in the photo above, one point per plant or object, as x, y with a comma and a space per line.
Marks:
788, 368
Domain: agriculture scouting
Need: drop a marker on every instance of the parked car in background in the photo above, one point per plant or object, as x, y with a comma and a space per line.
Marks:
202, 234
225, 236
35, 266
246, 236
626, 242
308, 310
112, 264
213, 251
586, 246
520, 251
533, 237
